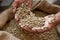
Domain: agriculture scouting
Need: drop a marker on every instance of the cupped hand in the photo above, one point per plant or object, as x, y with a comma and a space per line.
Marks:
48, 25
16, 3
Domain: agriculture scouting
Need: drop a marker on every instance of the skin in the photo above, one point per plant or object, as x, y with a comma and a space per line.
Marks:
50, 25
8, 14
15, 5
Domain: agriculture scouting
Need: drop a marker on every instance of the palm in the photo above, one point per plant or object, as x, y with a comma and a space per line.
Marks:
49, 23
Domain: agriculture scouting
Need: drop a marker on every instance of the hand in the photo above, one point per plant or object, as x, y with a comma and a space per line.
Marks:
16, 3
49, 23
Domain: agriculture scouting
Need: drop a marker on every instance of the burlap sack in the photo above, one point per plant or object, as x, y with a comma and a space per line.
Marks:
7, 36
51, 35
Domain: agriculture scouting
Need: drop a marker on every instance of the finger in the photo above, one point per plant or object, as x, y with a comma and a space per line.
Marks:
49, 26
14, 10
38, 29
46, 18
49, 22
18, 2
25, 27
15, 3
16, 17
